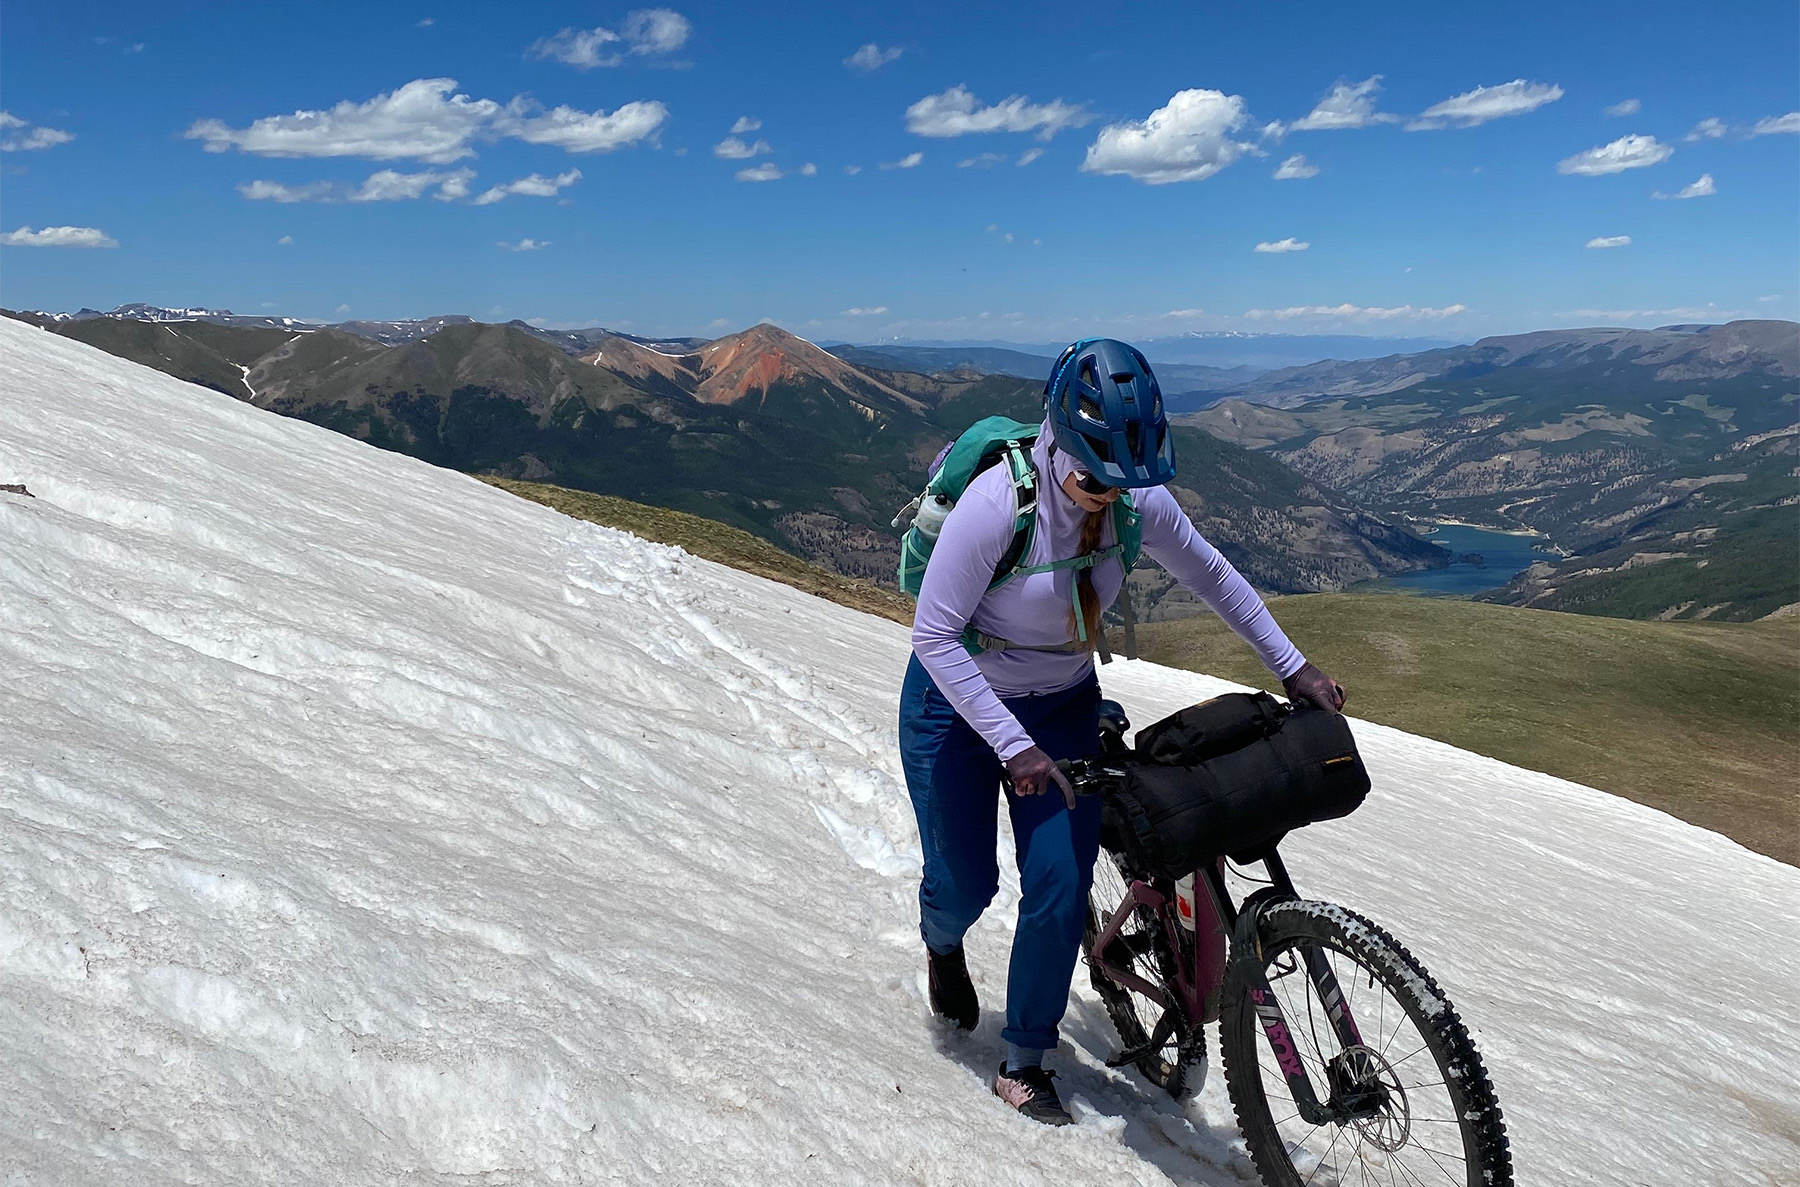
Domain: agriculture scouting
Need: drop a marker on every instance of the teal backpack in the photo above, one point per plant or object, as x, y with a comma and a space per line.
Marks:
998, 440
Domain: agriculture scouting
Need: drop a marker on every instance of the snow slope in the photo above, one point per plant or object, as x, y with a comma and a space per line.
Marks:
360, 823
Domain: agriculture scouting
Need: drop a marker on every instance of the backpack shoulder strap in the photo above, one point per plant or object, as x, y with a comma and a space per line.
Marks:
1023, 476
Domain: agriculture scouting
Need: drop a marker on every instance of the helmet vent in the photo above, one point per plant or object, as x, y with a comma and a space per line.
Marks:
1087, 374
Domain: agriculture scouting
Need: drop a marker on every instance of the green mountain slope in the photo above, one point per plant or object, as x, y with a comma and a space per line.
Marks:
199, 352
1699, 719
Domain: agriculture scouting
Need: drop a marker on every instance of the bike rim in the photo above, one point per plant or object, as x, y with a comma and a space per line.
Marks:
1138, 939
1416, 1136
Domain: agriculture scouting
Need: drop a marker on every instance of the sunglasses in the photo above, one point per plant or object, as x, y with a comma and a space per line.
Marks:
1088, 483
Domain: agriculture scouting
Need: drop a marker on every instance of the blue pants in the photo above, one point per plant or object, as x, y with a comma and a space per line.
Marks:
954, 776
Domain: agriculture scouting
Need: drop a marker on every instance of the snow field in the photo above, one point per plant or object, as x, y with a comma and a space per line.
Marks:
360, 823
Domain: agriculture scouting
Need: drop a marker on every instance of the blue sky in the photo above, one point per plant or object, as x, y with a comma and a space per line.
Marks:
1022, 172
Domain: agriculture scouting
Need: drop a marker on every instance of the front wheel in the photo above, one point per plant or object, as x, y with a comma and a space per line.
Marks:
1416, 1103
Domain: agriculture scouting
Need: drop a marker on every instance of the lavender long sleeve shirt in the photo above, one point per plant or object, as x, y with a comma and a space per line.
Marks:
1035, 609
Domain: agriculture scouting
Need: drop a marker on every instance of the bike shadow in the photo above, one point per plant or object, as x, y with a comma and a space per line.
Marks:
1170, 1136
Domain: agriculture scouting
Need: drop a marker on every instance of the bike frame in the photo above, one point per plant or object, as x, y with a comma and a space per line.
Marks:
1192, 983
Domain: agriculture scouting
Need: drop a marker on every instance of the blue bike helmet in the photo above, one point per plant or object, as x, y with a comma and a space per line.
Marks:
1107, 413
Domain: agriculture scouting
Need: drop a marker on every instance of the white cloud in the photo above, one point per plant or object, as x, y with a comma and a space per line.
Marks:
534, 186
1357, 312
1604, 241
425, 121
733, 149
1296, 168
957, 112
852, 170
1775, 124
861, 312
985, 161
31, 140
909, 161
275, 191
285, 240
521, 245
1627, 152
425, 23
1349, 105
1684, 313
656, 30
58, 237
422, 119
745, 123
872, 57
1187, 139
1710, 128
1624, 107
342, 309
1486, 103
646, 31
1703, 188
1283, 245
763, 172
584, 131
389, 185
809, 169
1028, 156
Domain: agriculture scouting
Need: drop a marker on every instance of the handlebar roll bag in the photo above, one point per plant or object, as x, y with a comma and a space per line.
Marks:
1182, 814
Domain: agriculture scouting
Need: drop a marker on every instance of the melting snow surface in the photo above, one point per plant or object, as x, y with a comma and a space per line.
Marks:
360, 823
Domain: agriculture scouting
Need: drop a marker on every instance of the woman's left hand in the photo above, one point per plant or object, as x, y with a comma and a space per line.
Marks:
1032, 773
1315, 688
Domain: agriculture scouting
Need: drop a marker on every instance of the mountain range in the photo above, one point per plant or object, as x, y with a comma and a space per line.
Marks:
759, 429
1660, 462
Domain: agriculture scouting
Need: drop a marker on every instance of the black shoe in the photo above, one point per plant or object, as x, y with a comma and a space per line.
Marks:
1030, 1091
952, 993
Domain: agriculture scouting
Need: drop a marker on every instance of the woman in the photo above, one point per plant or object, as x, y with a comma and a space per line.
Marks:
1031, 697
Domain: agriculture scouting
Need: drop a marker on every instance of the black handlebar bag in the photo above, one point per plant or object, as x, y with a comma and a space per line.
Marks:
1232, 776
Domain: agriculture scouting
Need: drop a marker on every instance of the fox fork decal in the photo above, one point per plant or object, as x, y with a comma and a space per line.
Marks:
1287, 1056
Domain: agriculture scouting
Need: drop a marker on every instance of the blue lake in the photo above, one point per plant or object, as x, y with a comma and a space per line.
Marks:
1503, 555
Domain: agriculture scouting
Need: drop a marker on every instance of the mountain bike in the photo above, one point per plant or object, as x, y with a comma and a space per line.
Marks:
1344, 1060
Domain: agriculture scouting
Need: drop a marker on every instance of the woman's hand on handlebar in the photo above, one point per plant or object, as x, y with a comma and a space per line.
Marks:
1032, 773
1315, 688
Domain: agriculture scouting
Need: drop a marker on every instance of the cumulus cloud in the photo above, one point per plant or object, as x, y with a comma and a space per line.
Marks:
1348, 105
1357, 312
1710, 128
763, 172
871, 57
583, 131
645, 31
1776, 124
285, 240
1187, 139
386, 185
424, 120
18, 135
1486, 103
745, 123
1604, 241
733, 149
389, 185
1627, 152
957, 112
275, 191
909, 161
1703, 188
656, 30
809, 169
1624, 107
1280, 246
1295, 168
522, 245
534, 186
58, 237
861, 312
